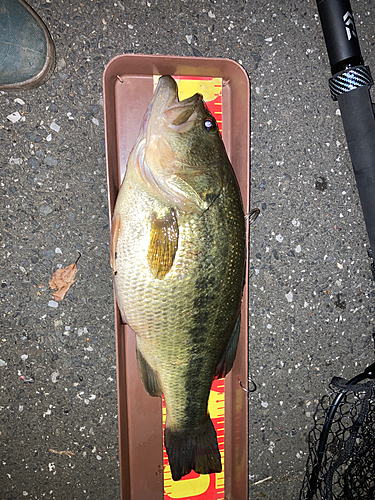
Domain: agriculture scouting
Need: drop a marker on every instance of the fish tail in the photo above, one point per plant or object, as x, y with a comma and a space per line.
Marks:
195, 449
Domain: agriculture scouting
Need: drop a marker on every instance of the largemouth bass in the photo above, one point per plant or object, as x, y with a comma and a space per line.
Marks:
178, 257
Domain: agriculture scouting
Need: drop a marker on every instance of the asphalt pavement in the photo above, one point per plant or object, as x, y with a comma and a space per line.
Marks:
311, 290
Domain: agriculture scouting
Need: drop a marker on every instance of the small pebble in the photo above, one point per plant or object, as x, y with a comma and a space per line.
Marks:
51, 162
50, 254
289, 296
57, 250
60, 64
2, 362
15, 161
55, 127
24, 357
33, 162
45, 210
14, 117
53, 303
95, 121
19, 101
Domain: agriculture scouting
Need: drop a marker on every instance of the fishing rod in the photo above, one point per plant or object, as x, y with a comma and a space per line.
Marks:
349, 86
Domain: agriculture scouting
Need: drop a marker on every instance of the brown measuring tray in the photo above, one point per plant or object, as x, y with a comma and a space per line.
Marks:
128, 88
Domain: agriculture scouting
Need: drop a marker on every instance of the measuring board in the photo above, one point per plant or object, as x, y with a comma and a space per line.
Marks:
128, 85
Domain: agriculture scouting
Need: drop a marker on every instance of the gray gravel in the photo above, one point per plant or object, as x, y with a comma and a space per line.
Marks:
312, 298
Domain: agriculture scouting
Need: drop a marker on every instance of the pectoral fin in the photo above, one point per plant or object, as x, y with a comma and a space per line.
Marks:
163, 242
115, 232
226, 362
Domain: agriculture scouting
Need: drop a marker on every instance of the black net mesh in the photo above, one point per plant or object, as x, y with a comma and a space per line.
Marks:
347, 468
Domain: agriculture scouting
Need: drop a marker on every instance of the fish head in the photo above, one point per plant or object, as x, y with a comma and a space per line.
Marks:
184, 152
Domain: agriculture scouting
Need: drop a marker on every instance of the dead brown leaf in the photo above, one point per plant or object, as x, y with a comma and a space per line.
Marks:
62, 280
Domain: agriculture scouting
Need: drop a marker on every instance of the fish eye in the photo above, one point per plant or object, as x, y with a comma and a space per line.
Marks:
209, 124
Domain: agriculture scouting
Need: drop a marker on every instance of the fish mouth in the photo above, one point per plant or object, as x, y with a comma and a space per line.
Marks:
166, 94
182, 112
166, 106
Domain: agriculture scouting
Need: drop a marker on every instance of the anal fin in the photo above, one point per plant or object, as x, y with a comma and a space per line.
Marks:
226, 362
149, 378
